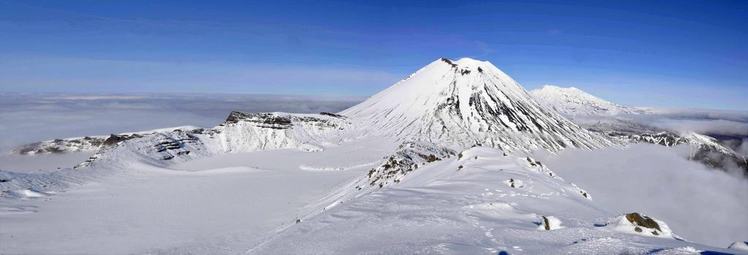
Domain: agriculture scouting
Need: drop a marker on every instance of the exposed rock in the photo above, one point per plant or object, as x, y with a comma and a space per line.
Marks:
282, 121
405, 160
549, 223
512, 183
265, 120
115, 139
448, 61
332, 114
642, 221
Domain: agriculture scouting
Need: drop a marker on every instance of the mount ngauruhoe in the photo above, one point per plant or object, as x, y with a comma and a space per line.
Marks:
465, 103
438, 163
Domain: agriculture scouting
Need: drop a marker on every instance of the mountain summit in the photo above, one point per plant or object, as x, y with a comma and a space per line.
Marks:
464, 103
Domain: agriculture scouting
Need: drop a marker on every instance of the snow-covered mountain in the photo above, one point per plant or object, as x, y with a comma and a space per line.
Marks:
573, 101
464, 103
437, 163
620, 123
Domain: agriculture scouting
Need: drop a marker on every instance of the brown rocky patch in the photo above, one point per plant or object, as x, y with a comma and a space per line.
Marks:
642, 221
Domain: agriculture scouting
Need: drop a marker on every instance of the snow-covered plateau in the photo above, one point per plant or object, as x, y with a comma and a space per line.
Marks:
458, 158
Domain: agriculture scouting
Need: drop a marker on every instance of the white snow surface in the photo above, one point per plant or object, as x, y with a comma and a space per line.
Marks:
42, 163
444, 209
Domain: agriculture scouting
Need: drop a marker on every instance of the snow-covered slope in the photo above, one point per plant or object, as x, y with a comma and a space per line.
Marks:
480, 203
468, 102
573, 101
619, 123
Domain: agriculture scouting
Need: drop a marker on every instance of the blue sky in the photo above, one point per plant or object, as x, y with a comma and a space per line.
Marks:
649, 53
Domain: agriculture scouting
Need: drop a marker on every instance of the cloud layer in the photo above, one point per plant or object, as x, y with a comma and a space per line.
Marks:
701, 204
26, 118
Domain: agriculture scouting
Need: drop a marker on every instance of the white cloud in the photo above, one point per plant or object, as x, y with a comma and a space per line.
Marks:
701, 204
743, 148
711, 122
721, 127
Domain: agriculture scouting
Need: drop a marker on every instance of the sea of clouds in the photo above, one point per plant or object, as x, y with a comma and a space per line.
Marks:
27, 118
699, 203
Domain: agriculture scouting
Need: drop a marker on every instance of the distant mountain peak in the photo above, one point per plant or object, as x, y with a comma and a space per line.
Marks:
572, 101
